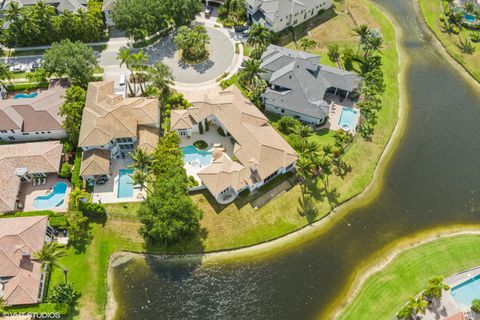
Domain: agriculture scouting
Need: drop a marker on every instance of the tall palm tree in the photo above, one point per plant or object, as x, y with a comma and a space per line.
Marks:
361, 31
139, 60
435, 287
160, 76
304, 132
140, 178
12, 12
76, 196
304, 167
373, 42
419, 305
250, 71
125, 59
5, 73
141, 159
49, 256
259, 36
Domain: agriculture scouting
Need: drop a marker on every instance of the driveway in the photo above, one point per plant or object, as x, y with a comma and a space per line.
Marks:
221, 57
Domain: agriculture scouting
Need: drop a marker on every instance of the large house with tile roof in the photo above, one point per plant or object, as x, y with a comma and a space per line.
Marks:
60, 5
259, 152
24, 162
112, 126
22, 278
280, 14
33, 119
298, 84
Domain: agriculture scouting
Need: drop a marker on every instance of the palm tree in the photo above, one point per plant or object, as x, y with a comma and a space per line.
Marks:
160, 76
435, 287
304, 132
141, 159
373, 42
140, 178
139, 59
259, 36
49, 256
12, 12
418, 304
76, 196
250, 71
124, 57
361, 31
5, 73
304, 167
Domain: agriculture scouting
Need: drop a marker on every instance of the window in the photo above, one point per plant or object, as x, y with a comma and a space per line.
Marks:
283, 110
25, 134
11, 138
43, 132
270, 177
13, 131
289, 166
3, 131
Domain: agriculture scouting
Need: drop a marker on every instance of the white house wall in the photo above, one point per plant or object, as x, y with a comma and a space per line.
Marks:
302, 117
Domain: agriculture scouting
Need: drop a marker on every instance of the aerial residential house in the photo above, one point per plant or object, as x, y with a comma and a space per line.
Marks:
60, 5
23, 163
22, 277
33, 119
255, 154
280, 14
112, 126
299, 85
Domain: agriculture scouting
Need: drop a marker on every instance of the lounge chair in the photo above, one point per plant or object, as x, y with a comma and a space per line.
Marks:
44, 180
34, 184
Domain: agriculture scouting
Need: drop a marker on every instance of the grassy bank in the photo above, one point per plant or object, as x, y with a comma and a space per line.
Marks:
240, 224
431, 11
385, 292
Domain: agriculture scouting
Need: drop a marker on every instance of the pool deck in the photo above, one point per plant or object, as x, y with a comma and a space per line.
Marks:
107, 193
28, 193
336, 112
447, 306
211, 137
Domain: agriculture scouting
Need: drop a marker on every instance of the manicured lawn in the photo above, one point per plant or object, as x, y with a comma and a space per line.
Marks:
431, 10
385, 292
239, 224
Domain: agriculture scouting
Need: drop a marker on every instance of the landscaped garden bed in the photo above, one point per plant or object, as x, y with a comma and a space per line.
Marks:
200, 144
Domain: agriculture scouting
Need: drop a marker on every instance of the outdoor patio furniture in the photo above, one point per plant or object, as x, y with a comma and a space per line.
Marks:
33, 182
44, 180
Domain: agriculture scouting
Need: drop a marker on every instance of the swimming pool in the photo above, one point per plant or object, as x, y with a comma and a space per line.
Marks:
467, 291
55, 198
469, 18
347, 119
25, 95
125, 185
191, 153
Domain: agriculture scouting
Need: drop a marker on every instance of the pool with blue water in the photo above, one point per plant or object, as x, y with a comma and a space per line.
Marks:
55, 198
191, 153
125, 183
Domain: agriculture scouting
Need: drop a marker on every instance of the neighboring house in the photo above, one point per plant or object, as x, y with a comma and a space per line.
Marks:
280, 14
22, 163
298, 84
60, 5
259, 152
22, 279
107, 9
33, 119
112, 126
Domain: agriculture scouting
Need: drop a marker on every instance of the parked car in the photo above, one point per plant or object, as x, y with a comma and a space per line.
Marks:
18, 68
208, 11
239, 29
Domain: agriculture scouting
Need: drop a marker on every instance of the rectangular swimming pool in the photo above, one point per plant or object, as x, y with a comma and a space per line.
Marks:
125, 183
191, 153
467, 291
347, 119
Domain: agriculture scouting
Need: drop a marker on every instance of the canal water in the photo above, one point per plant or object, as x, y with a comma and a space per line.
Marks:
432, 180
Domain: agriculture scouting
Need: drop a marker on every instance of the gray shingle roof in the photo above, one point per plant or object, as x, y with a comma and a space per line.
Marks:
302, 80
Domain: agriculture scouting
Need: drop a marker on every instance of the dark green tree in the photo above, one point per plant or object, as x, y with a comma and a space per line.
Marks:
71, 111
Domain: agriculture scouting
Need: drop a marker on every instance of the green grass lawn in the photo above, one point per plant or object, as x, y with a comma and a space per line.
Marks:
386, 291
431, 10
239, 224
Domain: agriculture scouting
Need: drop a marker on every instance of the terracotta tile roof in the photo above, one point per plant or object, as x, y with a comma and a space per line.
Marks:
107, 116
458, 316
19, 239
95, 162
36, 157
33, 114
258, 146
148, 138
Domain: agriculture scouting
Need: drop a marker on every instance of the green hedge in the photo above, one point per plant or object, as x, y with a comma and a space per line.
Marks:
26, 86
43, 308
76, 179
55, 219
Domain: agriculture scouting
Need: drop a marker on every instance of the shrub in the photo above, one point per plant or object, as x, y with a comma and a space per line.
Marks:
207, 125
66, 171
63, 292
192, 182
475, 306
287, 125
475, 36
221, 132
455, 30
92, 209
200, 144
441, 18
244, 193
200, 127
76, 179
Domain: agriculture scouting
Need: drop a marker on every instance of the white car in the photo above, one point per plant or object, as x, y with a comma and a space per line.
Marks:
18, 68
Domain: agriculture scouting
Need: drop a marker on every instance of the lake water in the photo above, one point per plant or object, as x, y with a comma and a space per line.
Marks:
432, 180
